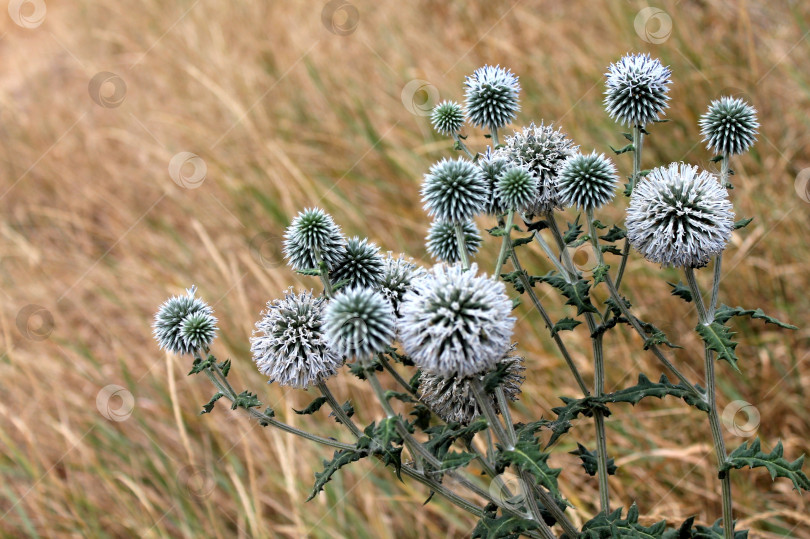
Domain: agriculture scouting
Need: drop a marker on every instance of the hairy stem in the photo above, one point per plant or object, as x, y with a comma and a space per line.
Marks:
718, 260
505, 243
495, 141
462, 246
638, 143
463, 146
338, 410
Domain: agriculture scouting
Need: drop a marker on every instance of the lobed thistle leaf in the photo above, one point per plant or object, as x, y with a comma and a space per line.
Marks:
359, 322
729, 126
587, 181
637, 87
454, 191
679, 216
168, 326
447, 118
516, 188
360, 265
442, 241
492, 97
313, 234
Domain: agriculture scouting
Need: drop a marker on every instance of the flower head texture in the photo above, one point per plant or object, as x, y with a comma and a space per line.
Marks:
456, 323
492, 97
541, 150
637, 87
397, 275
312, 234
730, 126
454, 191
447, 118
442, 241
289, 345
360, 323
360, 265
492, 164
587, 181
168, 326
453, 399
679, 216
516, 188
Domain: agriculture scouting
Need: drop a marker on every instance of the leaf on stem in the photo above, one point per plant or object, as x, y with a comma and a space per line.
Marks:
577, 293
340, 459
313, 407
681, 290
623, 149
725, 313
646, 388
528, 457
506, 526
565, 324
207, 407
753, 457
718, 338
613, 525
590, 462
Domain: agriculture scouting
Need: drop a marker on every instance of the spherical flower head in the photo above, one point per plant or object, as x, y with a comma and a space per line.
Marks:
361, 265
199, 330
492, 164
168, 324
289, 345
447, 118
587, 181
492, 97
313, 234
454, 322
454, 191
452, 398
360, 322
517, 188
442, 241
637, 87
397, 275
542, 151
730, 126
679, 216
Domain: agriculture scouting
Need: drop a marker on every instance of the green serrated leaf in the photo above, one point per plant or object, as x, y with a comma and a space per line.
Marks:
441, 437
614, 234
688, 530
628, 136
656, 336
269, 412
497, 231
312, 272
646, 388
612, 249
207, 407
624, 149
718, 338
753, 457
725, 313
454, 459
682, 291
566, 324
573, 232
225, 367
200, 365
517, 242
590, 461
528, 457
600, 272
313, 407
613, 525
339, 459
598, 224
716, 159
570, 411
503, 527
246, 400
577, 293
742, 223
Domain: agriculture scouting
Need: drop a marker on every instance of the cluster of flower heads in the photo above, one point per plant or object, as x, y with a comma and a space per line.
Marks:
185, 324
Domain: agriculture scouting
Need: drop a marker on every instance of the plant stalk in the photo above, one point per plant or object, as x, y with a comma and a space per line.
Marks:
505, 243
462, 246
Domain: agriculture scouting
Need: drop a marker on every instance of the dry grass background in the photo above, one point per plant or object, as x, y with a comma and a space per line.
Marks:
286, 114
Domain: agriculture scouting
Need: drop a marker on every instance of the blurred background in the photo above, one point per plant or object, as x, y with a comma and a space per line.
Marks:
147, 146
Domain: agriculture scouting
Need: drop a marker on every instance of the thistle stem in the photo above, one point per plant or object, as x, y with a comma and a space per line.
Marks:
505, 243
463, 146
638, 143
485, 403
338, 410
462, 246
395, 375
718, 260
495, 141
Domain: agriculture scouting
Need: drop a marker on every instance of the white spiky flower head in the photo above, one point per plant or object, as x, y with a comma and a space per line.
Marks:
169, 330
442, 241
360, 323
492, 97
516, 188
360, 265
730, 126
447, 118
454, 322
492, 165
398, 273
289, 344
679, 216
541, 150
587, 181
637, 87
312, 234
453, 399
454, 190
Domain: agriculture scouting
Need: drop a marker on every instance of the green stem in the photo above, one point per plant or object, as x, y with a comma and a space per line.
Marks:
463, 146
462, 246
495, 141
510, 219
638, 143
718, 260
395, 375
485, 403
338, 410
443, 491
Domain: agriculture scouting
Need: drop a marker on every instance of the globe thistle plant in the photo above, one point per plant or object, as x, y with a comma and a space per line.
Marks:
442, 241
587, 181
454, 191
492, 165
492, 97
311, 236
360, 265
289, 345
359, 323
541, 150
516, 188
454, 322
730, 126
447, 118
175, 335
452, 398
397, 274
679, 216
637, 87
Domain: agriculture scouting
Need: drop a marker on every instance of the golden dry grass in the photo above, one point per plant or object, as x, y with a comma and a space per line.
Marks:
286, 114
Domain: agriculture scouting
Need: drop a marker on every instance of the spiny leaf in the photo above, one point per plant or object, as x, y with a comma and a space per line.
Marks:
246, 400
517, 242
526, 455
590, 462
340, 459
566, 324
742, 223
753, 457
718, 338
573, 408
573, 232
225, 367
200, 365
577, 293
724, 313
681, 291
207, 407
312, 272
656, 336
688, 530
646, 388
613, 525
599, 273
313, 407
455, 459
504, 527
624, 149
614, 234
599, 224
441, 437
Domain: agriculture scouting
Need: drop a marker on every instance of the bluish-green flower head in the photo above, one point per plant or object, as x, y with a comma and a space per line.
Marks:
637, 88
360, 265
171, 331
311, 236
454, 191
492, 97
587, 181
730, 126
442, 240
516, 189
447, 118
360, 323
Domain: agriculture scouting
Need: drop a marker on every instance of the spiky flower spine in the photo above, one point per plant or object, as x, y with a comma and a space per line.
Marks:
730, 126
397, 275
447, 118
679, 216
312, 234
442, 241
492, 97
492, 165
454, 191
360, 266
541, 150
360, 322
168, 328
587, 181
289, 345
454, 322
453, 399
516, 188
637, 87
